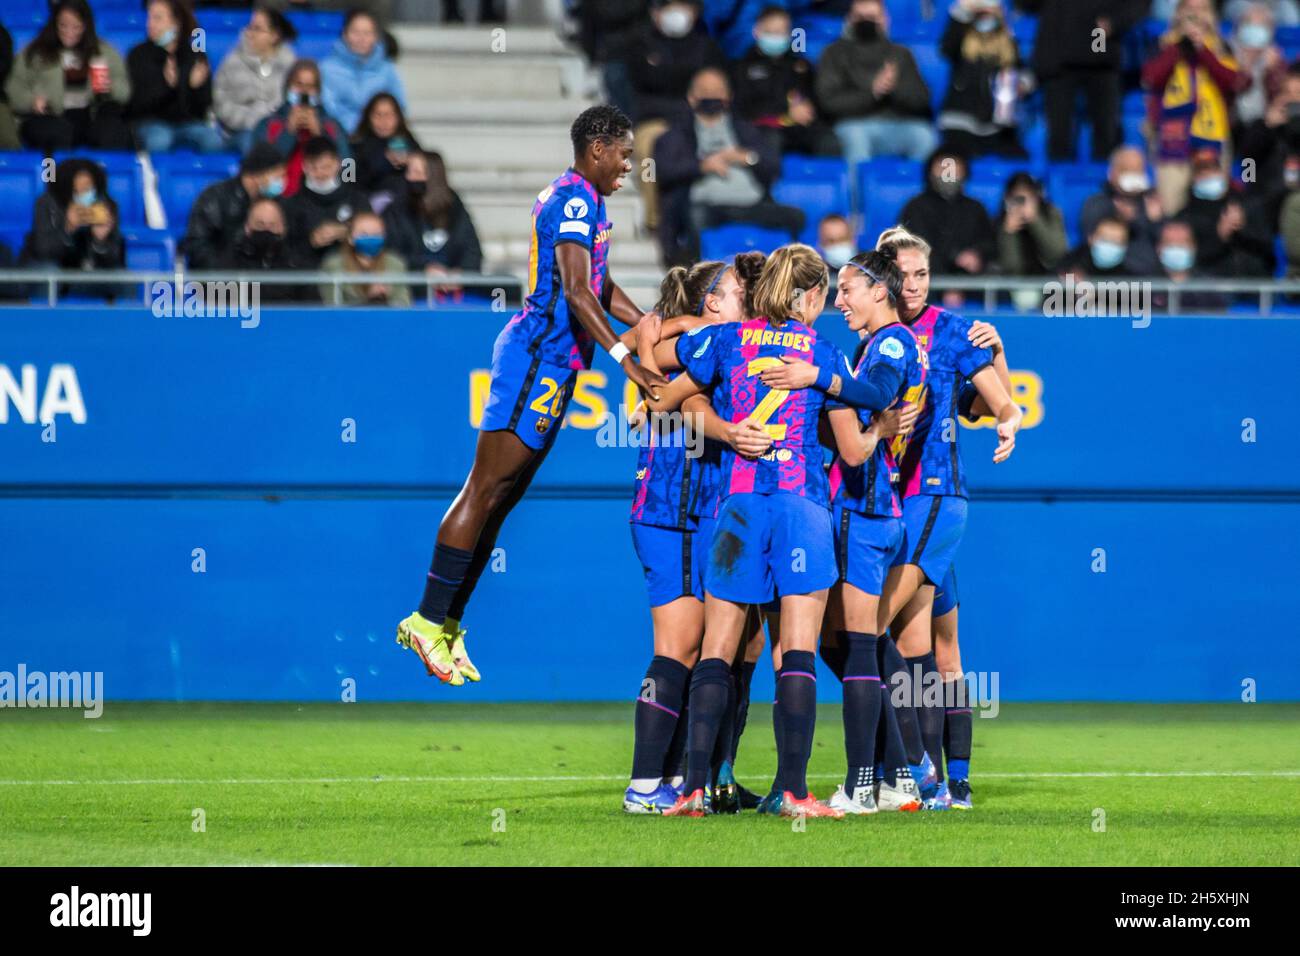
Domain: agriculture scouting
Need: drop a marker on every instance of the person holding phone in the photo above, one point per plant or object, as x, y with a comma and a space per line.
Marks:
382, 143
75, 226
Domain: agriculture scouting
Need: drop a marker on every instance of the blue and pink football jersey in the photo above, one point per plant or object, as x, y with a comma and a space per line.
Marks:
870, 489
729, 359
667, 477
568, 210
932, 462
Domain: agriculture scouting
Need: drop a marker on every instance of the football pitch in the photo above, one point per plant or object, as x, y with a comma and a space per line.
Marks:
541, 784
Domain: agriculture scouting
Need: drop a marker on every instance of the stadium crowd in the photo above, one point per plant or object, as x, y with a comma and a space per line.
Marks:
1193, 108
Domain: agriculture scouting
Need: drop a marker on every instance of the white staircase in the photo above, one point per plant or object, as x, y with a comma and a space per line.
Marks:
497, 102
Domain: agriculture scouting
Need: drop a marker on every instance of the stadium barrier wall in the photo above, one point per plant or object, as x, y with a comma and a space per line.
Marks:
244, 513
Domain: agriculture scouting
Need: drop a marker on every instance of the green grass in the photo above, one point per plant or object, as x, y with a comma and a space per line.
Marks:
313, 783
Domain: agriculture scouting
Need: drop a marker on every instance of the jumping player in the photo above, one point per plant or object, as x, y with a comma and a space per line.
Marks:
536, 359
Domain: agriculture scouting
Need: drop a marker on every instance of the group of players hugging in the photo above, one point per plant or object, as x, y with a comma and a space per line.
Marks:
746, 537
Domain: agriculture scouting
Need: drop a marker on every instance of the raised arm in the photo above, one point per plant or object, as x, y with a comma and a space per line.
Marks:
749, 440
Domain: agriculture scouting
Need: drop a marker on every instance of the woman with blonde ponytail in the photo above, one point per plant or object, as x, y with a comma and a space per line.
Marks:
772, 536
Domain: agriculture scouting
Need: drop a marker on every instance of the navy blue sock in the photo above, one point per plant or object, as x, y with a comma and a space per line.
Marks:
835, 657
726, 729
889, 743
798, 703
446, 574
709, 692
957, 729
658, 707
861, 708
675, 759
744, 680
482, 553
929, 712
778, 732
899, 690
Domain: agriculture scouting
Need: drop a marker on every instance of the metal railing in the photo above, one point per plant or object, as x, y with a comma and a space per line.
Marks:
52, 279
1265, 292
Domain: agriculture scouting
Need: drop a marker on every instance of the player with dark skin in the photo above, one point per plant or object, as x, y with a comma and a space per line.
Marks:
504, 465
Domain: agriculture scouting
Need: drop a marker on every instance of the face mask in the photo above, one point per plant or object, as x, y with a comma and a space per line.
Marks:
369, 245
1106, 254
773, 44
711, 107
986, 24
866, 30
166, 38
1176, 258
263, 241
676, 23
838, 254
1211, 189
274, 188
1255, 36
322, 186
1133, 183
86, 198
948, 189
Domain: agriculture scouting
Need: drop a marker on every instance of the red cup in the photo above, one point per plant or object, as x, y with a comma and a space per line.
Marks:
99, 79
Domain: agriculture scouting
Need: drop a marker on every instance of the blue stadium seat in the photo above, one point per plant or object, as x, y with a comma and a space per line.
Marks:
817, 185
13, 236
934, 70
149, 249
820, 31
885, 186
723, 242
182, 176
1068, 185
20, 184
1024, 28
1288, 38
125, 183
317, 21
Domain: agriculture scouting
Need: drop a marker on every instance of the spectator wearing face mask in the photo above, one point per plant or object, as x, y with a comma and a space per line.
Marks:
774, 90
356, 69
835, 241
1232, 234
1102, 255
318, 214
1260, 59
957, 227
669, 51
1177, 252
366, 261
1128, 195
219, 213
981, 110
874, 91
263, 246
171, 84
429, 226
715, 169
299, 119
1192, 83
75, 226
1031, 231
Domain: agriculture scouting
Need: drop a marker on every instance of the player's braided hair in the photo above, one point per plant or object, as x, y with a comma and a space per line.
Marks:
788, 274
895, 239
878, 268
603, 122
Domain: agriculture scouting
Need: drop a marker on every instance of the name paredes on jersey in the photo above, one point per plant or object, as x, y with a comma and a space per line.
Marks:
61, 395
798, 341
